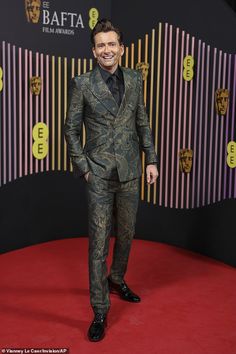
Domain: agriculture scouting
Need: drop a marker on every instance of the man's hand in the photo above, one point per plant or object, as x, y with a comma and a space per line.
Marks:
151, 173
86, 176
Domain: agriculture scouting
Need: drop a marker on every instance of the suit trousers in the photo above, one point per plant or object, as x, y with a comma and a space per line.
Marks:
108, 198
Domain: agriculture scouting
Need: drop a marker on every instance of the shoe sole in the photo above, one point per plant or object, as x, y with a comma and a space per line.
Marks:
96, 340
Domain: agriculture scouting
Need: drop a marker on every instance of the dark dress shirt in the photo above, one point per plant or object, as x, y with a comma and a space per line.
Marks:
115, 83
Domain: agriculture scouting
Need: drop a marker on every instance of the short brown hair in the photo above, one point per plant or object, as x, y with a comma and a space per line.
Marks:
105, 25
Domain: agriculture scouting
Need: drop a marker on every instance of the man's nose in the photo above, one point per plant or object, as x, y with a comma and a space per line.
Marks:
107, 48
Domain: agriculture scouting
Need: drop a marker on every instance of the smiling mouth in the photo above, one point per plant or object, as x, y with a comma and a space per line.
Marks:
108, 58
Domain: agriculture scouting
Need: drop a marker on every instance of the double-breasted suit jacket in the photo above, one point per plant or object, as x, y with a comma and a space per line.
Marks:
114, 134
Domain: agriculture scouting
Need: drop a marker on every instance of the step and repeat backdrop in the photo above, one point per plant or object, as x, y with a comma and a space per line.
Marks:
189, 92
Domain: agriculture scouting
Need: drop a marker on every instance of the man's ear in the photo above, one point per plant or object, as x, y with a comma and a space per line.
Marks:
94, 53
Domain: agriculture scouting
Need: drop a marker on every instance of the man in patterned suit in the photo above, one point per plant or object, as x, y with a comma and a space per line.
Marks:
109, 100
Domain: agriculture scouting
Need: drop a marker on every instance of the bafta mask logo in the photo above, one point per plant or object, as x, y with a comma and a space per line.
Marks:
35, 85
221, 101
185, 160
143, 67
32, 10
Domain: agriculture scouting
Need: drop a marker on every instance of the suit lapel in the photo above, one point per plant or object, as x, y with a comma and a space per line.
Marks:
101, 91
128, 90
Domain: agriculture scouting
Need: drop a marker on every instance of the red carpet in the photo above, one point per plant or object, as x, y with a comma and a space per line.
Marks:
188, 301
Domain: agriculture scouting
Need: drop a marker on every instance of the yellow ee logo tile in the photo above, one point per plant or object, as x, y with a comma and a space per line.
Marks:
40, 136
231, 157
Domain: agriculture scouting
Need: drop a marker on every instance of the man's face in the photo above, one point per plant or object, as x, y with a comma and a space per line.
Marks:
222, 98
107, 50
186, 160
33, 9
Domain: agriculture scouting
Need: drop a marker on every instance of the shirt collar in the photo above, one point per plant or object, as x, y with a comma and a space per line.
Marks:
105, 74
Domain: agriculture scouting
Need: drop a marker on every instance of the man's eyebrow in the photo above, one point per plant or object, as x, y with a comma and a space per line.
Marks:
111, 42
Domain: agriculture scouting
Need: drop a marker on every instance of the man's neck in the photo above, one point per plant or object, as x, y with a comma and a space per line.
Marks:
110, 70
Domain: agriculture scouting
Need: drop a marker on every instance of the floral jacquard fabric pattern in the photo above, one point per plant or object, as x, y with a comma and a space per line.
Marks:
114, 134
123, 199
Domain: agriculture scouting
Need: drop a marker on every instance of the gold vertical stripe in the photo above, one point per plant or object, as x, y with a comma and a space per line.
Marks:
157, 101
91, 64
84, 65
53, 113
151, 95
151, 79
79, 66
132, 55
72, 67
126, 57
139, 49
59, 115
65, 109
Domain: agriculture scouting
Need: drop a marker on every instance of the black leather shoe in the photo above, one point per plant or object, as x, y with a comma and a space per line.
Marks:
96, 330
123, 290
